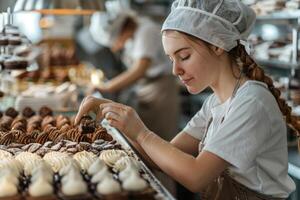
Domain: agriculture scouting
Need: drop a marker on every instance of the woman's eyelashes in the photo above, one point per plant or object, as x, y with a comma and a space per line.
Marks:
185, 58
180, 58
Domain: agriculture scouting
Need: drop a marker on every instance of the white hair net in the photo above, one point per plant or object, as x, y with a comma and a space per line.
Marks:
106, 26
218, 22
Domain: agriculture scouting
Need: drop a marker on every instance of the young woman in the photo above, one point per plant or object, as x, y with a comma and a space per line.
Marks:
235, 147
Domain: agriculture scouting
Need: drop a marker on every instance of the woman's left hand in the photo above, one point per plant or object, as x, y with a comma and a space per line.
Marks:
125, 119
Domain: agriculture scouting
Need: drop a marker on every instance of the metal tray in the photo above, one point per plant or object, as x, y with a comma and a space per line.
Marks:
162, 192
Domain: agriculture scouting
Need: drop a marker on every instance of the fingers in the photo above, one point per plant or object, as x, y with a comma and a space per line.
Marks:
113, 105
113, 116
84, 108
99, 115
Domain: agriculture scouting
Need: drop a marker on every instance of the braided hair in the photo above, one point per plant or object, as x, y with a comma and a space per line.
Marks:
254, 72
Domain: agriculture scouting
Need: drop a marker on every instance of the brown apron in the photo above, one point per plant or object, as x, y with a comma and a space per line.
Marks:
226, 188
158, 105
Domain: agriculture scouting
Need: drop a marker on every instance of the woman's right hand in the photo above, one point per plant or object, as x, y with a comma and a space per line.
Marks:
89, 104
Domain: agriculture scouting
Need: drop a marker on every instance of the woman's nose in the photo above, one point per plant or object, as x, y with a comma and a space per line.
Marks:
177, 70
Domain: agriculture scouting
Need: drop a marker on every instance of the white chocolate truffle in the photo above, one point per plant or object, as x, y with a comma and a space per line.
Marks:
66, 169
42, 166
101, 175
5, 155
12, 164
40, 188
72, 175
108, 186
57, 160
123, 162
30, 164
134, 183
10, 177
96, 167
40, 174
123, 175
85, 159
110, 157
7, 189
74, 187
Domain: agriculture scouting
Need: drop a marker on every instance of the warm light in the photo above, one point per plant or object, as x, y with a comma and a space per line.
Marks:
97, 77
46, 22
60, 7
65, 12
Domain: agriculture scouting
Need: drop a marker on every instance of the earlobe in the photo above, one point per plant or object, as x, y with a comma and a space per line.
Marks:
217, 50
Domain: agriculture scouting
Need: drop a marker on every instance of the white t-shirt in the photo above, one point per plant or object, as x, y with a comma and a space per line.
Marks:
252, 138
146, 43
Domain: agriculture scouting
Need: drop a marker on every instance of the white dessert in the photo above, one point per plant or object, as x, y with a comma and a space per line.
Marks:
7, 175
57, 160
5, 155
110, 157
30, 164
134, 183
72, 175
42, 174
101, 175
123, 162
42, 166
74, 187
26, 157
85, 159
40, 187
96, 166
7, 189
66, 169
123, 175
108, 186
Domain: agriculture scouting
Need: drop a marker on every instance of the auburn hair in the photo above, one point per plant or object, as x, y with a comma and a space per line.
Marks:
250, 69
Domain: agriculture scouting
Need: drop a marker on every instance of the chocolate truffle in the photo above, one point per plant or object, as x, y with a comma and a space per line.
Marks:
87, 125
44, 111
28, 112
11, 112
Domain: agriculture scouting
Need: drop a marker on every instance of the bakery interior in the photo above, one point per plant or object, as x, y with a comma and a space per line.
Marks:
49, 63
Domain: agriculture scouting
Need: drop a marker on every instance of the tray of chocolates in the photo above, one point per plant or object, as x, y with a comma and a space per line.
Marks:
47, 157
